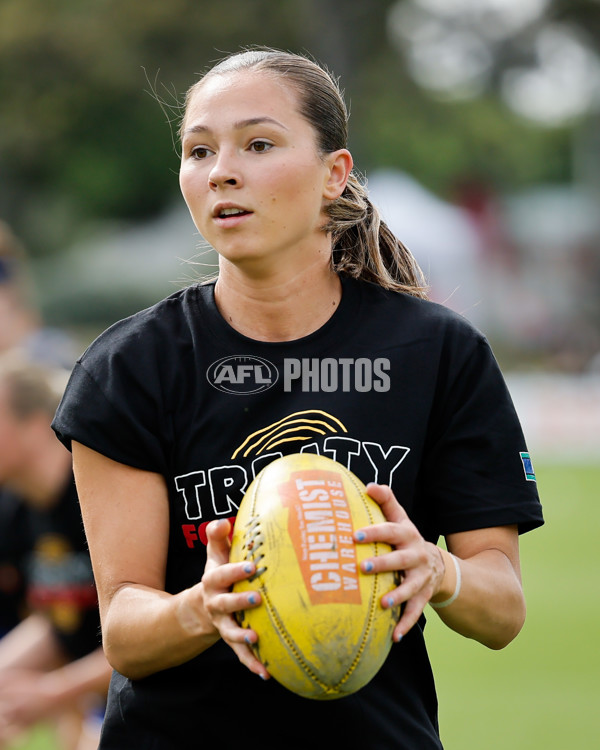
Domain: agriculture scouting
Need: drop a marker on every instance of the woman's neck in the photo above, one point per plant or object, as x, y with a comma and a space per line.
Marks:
277, 307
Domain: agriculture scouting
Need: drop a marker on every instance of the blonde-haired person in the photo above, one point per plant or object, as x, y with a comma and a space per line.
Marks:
315, 337
52, 668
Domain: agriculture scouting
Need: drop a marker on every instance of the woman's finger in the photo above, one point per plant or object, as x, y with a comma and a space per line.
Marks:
220, 578
230, 603
249, 660
410, 616
394, 534
385, 498
218, 544
403, 559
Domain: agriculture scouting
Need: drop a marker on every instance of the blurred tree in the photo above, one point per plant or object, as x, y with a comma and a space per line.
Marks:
81, 135
78, 137
541, 56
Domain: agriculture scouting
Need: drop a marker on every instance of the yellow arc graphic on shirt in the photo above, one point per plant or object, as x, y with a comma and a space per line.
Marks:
296, 427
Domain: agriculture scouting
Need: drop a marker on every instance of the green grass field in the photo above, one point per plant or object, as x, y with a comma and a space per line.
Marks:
40, 738
542, 691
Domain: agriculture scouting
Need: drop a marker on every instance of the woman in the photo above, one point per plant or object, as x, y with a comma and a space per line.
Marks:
315, 337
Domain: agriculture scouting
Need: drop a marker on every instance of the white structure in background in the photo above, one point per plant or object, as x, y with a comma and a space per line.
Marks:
532, 297
119, 269
441, 236
560, 415
131, 266
556, 303
524, 268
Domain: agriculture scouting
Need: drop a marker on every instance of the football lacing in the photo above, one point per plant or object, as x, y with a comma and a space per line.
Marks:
253, 540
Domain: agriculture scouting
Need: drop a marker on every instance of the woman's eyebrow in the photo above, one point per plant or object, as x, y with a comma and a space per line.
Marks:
240, 125
258, 121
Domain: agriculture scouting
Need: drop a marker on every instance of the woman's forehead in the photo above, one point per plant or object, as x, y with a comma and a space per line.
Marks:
247, 91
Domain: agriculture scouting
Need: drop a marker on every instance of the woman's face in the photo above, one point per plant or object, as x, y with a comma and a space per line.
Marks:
251, 174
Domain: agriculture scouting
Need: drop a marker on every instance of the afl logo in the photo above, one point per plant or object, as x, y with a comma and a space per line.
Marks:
242, 375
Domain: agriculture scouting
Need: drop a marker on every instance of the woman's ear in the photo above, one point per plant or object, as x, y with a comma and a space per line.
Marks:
340, 165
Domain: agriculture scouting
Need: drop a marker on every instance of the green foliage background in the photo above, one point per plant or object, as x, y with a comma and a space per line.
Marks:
82, 136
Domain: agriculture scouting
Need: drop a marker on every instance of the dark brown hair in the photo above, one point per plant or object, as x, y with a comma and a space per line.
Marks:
363, 246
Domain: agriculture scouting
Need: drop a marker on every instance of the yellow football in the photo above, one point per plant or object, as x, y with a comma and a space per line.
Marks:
322, 631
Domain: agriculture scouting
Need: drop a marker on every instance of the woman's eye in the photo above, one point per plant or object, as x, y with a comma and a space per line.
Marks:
260, 147
200, 152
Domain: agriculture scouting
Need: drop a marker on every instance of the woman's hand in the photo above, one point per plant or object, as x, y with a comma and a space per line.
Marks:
419, 561
221, 603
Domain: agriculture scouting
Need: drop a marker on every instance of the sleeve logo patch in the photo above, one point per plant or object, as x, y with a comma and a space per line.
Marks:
527, 467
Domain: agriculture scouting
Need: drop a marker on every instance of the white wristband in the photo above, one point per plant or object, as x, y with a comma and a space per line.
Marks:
448, 602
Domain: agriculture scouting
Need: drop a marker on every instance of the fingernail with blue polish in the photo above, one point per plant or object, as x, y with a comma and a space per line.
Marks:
360, 536
368, 566
252, 599
248, 568
389, 601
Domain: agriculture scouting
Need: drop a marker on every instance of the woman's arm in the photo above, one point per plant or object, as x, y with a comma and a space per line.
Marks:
126, 517
490, 606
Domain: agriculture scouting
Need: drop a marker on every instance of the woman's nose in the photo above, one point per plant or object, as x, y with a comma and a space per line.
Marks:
225, 171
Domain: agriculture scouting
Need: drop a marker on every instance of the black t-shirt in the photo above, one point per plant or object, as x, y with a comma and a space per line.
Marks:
60, 581
14, 546
402, 391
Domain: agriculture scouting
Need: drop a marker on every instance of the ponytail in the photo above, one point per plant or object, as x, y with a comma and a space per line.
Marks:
365, 248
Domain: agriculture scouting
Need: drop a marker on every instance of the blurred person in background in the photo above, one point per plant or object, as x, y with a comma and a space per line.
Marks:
22, 328
13, 548
21, 323
51, 666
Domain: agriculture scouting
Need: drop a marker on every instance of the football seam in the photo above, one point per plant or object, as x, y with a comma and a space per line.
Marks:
284, 633
289, 641
373, 598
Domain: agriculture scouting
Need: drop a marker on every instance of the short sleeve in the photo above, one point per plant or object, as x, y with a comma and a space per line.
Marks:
113, 402
477, 471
